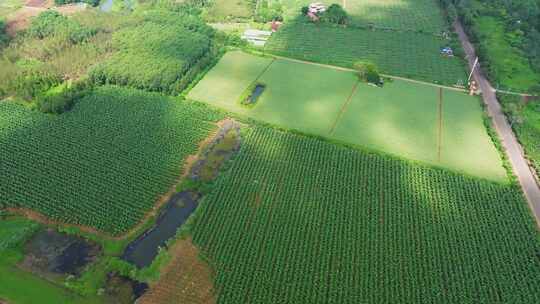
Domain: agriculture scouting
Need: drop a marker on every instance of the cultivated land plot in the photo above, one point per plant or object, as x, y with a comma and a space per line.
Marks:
224, 9
406, 54
415, 15
299, 220
402, 118
103, 164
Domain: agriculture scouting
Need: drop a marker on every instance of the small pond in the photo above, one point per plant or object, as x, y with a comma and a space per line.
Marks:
255, 94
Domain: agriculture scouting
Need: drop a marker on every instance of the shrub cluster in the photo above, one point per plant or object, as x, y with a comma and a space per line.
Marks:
59, 102
52, 23
269, 12
368, 72
29, 83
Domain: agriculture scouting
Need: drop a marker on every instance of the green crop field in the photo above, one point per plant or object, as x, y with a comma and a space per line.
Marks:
408, 119
415, 15
402, 118
298, 220
406, 54
220, 10
104, 163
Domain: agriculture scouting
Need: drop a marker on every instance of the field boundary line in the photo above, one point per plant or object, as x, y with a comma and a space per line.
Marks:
263, 71
384, 75
344, 107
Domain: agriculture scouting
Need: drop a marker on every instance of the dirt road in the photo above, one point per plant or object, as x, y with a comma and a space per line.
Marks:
509, 142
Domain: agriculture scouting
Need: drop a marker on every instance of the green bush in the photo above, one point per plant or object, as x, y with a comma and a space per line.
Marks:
335, 14
269, 12
31, 83
368, 72
57, 103
52, 23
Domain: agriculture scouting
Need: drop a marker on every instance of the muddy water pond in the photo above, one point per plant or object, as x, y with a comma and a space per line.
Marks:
145, 248
181, 205
53, 254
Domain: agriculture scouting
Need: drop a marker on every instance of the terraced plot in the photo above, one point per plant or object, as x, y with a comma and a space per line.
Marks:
402, 118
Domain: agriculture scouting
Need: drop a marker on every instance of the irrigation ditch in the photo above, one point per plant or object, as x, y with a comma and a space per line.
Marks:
62, 256
144, 249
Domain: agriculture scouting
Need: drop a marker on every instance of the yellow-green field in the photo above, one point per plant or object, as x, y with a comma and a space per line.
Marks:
402, 118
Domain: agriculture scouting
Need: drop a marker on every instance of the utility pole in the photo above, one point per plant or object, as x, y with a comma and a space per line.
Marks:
472, 70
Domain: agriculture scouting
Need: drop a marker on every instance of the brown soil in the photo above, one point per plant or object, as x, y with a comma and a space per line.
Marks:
20, 19
39, 3
186, 167
186, 279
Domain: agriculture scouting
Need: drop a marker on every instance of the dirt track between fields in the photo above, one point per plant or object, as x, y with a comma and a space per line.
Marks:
511, 146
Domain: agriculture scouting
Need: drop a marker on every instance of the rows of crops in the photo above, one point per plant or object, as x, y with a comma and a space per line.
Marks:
414, 15
406, 54
104, 163
298, 220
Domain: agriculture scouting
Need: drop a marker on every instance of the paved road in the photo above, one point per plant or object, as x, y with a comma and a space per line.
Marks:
509, 142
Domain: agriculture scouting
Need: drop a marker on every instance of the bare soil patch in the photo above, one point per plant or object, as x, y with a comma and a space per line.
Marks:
39, 3
20, 19
187, 279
